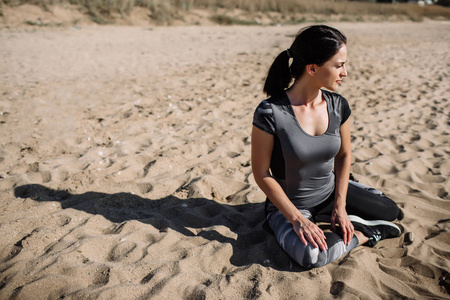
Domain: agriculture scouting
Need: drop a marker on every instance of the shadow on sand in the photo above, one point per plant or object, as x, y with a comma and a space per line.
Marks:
255, 244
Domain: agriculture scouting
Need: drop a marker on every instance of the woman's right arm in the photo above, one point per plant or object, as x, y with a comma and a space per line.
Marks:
262, 146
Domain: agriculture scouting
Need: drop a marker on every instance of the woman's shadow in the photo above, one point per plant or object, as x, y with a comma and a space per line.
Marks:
254, 244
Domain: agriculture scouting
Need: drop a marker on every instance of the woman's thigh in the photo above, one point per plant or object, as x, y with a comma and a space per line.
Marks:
370, 204
365, 202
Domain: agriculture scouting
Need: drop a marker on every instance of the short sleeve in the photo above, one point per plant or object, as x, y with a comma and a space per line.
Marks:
263, 117
345, 110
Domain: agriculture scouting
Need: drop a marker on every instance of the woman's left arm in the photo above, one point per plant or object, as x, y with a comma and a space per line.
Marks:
342, 163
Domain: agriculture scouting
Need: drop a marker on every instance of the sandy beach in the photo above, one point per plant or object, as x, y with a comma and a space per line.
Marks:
125, 163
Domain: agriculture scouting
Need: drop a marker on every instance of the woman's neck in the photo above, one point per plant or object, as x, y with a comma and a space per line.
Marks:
303, 92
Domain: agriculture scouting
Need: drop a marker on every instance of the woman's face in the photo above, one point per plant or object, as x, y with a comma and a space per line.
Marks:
331, 73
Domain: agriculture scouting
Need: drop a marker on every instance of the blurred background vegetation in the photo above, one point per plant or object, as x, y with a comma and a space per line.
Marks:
165, 12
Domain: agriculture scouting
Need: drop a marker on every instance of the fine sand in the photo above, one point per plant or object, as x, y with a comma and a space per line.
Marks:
125, 163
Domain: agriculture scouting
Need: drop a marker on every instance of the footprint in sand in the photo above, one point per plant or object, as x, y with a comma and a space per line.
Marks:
101, 276
122, 251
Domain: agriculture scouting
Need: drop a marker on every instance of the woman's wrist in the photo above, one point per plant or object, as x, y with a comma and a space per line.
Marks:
297, 218
339, 206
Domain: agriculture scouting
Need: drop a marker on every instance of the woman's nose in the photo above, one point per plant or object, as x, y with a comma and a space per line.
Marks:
344, 71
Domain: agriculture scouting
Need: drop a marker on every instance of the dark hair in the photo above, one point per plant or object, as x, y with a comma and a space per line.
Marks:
313, 45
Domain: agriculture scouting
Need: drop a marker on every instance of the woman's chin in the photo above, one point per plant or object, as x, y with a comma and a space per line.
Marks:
332, 88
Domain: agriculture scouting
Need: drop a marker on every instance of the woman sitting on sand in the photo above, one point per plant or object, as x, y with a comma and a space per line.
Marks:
298, 135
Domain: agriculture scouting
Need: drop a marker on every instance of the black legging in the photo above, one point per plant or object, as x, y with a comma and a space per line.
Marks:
367, 203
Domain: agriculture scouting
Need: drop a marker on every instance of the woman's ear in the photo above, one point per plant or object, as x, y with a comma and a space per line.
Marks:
311, 69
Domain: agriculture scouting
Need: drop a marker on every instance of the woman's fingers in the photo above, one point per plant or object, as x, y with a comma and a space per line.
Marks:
350, 233
347, 232
311, 233
302, 238
316, 238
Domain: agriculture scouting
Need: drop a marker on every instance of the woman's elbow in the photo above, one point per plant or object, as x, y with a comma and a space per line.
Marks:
259, 176
343, 156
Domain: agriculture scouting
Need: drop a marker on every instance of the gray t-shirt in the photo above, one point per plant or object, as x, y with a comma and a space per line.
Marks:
301, 163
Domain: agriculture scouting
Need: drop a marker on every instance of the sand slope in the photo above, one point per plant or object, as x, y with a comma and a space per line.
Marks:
125, 163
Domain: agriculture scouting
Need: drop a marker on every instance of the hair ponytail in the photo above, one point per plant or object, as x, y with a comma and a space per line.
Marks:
313, 45
279, 75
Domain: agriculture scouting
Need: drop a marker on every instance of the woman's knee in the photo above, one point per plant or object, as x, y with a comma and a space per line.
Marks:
391, 210
393, 214
310, 257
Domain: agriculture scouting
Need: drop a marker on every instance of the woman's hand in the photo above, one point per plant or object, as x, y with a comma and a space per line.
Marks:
308, 231
340, 217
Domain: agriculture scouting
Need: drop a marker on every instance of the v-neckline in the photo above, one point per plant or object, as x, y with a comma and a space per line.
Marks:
291, 108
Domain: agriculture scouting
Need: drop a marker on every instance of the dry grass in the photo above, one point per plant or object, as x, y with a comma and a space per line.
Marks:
164, 11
